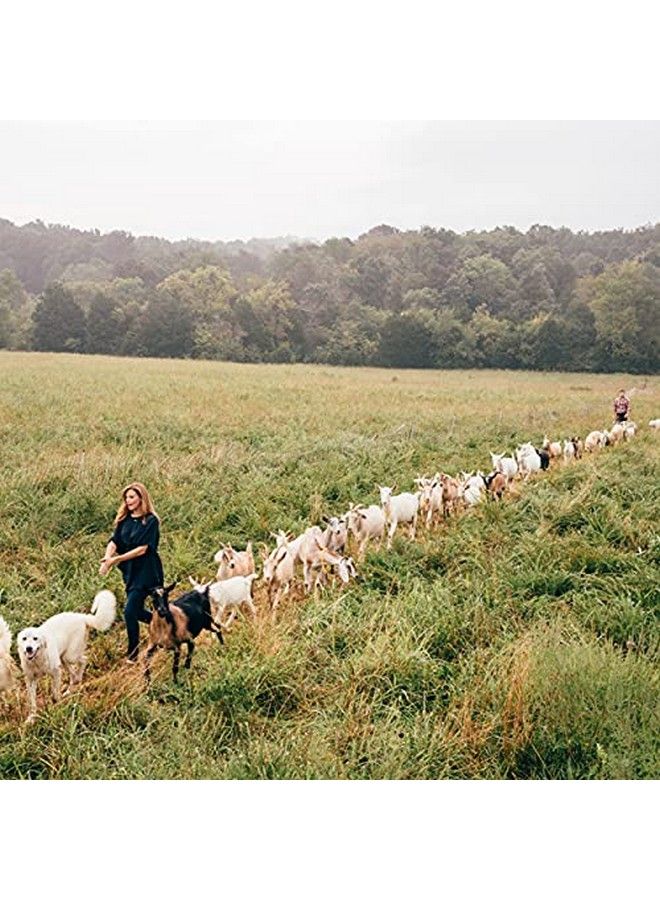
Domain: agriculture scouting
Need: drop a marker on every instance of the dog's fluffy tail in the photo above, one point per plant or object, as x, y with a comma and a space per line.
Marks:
5, 638
104, 610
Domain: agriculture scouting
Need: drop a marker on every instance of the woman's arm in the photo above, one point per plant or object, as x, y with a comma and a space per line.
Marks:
111, 560
110, 550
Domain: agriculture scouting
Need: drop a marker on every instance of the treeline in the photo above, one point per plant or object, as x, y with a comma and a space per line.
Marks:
544, 299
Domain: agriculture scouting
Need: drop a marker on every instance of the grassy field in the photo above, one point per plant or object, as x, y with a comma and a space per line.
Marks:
519, 641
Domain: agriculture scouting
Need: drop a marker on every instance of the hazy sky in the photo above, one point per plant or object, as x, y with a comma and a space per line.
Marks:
226, 180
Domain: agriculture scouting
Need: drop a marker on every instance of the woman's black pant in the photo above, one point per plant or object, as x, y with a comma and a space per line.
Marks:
134, 612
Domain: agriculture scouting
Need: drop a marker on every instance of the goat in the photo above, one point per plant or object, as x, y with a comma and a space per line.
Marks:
472, 486
569, 451
401, 508
528, 459
496, 484
594, 441
366, 523
234, 562
430, 497
544, 456
312, 540
629, 431
335, 534
234, 593
278, 572
654, 424
179, 622
452, 494
617, 433
553, 448
505, 464
283, 539
320, 557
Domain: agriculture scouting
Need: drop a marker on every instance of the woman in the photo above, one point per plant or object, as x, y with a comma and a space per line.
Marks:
621, 406
134, 548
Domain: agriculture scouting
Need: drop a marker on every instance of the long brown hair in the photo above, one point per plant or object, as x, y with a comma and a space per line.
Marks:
143, 494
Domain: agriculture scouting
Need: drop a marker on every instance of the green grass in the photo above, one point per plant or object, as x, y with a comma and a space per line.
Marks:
518, 641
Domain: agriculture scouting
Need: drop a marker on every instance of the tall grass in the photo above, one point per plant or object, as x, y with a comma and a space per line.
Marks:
518, 641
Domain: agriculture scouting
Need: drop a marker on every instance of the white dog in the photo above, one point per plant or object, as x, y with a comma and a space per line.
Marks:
6, 664
61, 640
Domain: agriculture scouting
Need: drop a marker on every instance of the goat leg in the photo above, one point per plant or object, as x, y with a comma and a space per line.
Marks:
191, 649
147, 671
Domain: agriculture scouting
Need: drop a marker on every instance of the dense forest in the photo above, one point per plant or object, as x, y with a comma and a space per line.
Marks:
544, 299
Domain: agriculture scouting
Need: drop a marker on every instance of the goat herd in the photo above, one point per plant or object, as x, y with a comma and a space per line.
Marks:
61, 641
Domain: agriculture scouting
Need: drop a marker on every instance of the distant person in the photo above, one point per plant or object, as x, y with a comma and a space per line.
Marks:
134, 548
621, 406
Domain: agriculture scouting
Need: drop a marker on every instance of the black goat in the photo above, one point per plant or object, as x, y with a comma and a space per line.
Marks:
545, 458
179, 622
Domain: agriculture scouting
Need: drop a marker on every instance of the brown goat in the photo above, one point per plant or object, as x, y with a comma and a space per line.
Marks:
180, 622
451, 494
495, 485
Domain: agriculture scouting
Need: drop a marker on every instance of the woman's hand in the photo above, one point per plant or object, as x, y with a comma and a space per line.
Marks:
106, 564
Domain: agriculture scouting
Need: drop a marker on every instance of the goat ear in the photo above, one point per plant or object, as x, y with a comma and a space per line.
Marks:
170, 587
248, 549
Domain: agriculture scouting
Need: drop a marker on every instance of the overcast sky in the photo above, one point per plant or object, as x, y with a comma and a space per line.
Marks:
227, 180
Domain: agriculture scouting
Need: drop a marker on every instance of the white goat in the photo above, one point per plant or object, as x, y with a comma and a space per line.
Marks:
616, 433
234, 562
528, 459
318, 557
595, 440
230, 593
282, 539
655, 424
430, 497
569, 451
506, 465
278, 572
399, 508
335, 534
472, 487
629, 431
366, 523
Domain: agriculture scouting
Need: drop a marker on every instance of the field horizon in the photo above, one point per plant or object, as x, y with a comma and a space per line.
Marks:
519, 640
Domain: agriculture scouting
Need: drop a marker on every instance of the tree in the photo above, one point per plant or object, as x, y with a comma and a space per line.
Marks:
455, 342
267, 317
481, 281
625, 302
165, 328
5, 323
15, 310
496, 341
375, 279
59, 323
406, 342
105, 333
208, 294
